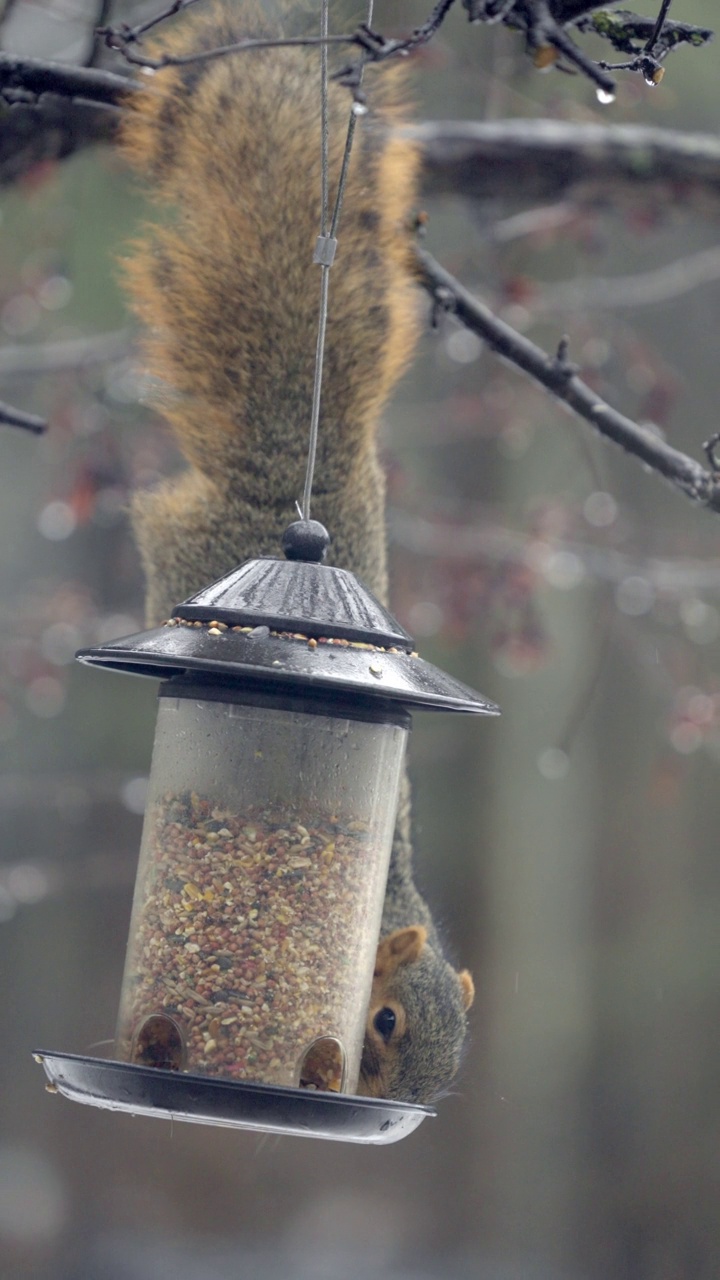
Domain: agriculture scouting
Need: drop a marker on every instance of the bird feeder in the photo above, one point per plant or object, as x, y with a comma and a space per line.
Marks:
284, 711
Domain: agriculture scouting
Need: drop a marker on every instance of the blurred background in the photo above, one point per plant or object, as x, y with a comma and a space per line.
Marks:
570, 849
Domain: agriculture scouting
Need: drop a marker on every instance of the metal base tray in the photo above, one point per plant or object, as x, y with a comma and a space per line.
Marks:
150, 1091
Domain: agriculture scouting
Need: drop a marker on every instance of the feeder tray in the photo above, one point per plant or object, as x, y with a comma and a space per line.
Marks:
121, 1086
287, 689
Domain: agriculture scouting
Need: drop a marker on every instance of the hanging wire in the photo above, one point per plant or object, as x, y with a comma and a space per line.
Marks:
323, 248
327, 242
356, 111
324, 125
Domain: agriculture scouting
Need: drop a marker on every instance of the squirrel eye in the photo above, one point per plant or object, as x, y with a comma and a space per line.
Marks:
384, 1023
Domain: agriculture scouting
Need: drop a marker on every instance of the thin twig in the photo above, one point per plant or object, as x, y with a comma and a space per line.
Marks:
103, 15
543, 220
126, 35
655, 35
375, 48
646, 41
545, 34
536, 17
35, 359
378, 49
543, 29
11, 417
223, 51
645, 289
559, 378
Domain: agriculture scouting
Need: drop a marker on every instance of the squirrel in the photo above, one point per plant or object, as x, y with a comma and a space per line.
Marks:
227, 292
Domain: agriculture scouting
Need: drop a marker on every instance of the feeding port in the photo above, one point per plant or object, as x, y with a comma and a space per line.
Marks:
260, 886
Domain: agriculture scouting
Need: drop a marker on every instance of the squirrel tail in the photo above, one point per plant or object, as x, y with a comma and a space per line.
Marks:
229, 294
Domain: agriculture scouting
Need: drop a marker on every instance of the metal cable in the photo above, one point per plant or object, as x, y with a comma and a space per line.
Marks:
326, 245
324, 125
354, 113
324, 269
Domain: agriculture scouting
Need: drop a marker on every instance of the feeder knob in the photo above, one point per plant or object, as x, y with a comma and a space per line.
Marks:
306, 540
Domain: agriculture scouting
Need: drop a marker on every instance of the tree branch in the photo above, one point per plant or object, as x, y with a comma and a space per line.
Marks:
571, 10
54, 110
11, 417
52, 115
468, 539
35, 359
96, 45
374, 46
646, 288
545, 33
547, 36
631, 34
561, 380
122, 36
545, 159
659, 24
546, 22
115, 41
50, 130
35, 76
522, 159
563, 11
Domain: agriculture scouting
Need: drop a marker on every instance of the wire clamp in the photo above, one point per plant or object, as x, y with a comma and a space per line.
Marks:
324, 253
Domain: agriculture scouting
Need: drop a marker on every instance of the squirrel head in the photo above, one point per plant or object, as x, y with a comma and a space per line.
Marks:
416, 1020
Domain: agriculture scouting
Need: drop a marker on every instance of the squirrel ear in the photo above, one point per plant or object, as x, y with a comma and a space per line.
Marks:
399, 948
467, 987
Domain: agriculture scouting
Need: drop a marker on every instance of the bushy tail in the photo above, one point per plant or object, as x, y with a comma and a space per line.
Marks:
227, 287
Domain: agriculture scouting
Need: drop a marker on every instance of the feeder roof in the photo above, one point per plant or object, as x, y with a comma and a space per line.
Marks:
296, 624
292, 595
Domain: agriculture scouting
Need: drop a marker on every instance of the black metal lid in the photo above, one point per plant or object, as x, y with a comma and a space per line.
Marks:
293, 623
294, 595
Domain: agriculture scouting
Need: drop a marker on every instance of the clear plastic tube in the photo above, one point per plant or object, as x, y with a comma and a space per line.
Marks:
259, 892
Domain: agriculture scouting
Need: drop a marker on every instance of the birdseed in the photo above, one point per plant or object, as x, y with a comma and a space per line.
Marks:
249, 932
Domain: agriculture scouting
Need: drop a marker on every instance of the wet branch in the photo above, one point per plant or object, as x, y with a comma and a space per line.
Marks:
560, 378
548, 159
119, 37
56, 108
35, 76
10, 417
546, 24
